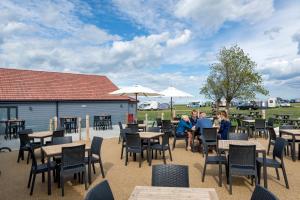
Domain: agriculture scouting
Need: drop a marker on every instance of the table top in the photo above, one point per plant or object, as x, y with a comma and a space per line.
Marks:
149, 135
174, 193
291, 131
249, 120
53, 150
142, 125
224, 144
12, 120
42, 134
174, 121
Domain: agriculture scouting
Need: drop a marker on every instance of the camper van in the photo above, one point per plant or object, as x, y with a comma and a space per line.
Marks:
272, 103
149, 105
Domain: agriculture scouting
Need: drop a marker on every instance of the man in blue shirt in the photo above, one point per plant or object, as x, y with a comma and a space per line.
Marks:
203, 122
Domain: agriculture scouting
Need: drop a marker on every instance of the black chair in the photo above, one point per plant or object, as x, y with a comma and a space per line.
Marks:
270, 122
57, 133
241, 165
96, 122
38, 169
164, 146
170, 175
272, 138
260, 127
214, 160
26, 143
153, 129
158, 122
101, 191
232, 129
241, 127
133, 127
123, 138
134, 145
166, 125
238, 136
96, 154
278, 152
72, 162
261, 193
209, 138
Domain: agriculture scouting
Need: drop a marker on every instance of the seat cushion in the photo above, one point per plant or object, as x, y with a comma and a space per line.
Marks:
44, 167
269, 162
159, 147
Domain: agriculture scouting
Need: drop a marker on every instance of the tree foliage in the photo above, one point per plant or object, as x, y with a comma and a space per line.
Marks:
236, 74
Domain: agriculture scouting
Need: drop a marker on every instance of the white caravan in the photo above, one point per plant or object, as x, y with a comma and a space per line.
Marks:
149, 105
272, 102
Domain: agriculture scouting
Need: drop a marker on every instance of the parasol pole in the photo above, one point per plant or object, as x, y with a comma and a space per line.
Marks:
171, 108
136, 106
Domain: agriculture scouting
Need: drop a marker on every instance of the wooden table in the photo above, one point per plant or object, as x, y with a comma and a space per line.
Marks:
293, 133
41, 135
172, 193
148, 136
56, 150
142, 126
223, 145
69, 123
20, 124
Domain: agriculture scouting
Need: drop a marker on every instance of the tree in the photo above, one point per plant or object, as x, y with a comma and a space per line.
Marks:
212, 89
237, 75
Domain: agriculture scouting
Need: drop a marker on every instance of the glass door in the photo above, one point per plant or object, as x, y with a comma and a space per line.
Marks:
3, 117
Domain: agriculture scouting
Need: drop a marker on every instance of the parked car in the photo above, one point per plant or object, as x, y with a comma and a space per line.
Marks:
196, 104
163, 106
149, 105
284, 104
247, 106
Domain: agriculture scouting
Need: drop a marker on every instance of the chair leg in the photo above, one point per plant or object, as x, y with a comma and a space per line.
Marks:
277, 173
32, 184
85, 178
28, 157
126, 159
140, 160
220, 175
203, 173
93, 164
101, 168
285, 177
122, 152
29, 181
174, 143
230, 183
258, 173
170, 154
19, 155
164, 157
62, 185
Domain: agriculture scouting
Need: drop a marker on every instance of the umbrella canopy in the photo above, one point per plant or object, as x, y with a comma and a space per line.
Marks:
136, 90
174, 92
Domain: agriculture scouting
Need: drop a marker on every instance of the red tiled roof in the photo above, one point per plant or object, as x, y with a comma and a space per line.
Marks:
25, 85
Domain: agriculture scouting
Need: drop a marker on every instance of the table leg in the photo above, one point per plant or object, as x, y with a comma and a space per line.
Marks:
89, 166
265, 170
49, 175
293, 149
149, 158
43, 158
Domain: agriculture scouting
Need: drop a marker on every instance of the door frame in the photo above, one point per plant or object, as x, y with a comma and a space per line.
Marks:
9, 111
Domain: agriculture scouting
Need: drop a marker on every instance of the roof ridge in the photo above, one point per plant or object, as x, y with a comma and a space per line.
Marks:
54, 72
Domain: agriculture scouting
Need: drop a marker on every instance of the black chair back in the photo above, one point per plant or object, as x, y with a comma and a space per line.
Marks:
153, 129
260, 123
140, 121
210, 134
133, 127
26, 131
34, 162
24, 138
158, 121
165, 138
242, 156
166, 125
238, 136
170, 176
59, 133
62, 140
270, 122
101, 191
96, 145
232, 129
133, 141
73, 157
279, 147
261, 193
272, 134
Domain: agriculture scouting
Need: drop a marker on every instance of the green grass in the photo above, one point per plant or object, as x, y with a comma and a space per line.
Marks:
294, 111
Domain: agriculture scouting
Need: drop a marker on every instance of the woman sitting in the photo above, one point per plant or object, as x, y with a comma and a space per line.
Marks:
224, 126
184, 128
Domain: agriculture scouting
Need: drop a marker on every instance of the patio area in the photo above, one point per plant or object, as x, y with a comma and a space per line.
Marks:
123, 179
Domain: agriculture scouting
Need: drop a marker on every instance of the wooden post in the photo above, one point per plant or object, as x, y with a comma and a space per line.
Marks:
51, 125
79, 127
174, 114
126, 118
87, 127
162, 116
263, 114
55, 123
146, 119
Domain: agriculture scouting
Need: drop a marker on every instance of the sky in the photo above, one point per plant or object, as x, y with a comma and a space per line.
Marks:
153, 43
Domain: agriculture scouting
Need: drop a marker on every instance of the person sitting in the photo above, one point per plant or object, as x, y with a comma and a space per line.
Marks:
184, 129
203, 122
224, 126
194, 117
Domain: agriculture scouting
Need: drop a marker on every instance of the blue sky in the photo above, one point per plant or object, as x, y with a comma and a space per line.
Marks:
153, 43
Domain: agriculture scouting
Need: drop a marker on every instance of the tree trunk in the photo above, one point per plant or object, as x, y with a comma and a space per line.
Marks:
227, 107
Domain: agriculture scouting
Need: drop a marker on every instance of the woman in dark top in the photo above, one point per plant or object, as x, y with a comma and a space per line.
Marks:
194, 117
224, 126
